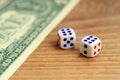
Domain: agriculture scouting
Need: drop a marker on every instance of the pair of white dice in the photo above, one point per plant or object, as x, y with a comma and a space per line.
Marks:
90, 46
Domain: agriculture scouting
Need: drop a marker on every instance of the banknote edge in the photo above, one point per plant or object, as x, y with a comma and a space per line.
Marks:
11, 70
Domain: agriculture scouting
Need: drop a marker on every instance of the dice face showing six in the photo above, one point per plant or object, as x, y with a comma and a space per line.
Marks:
90, 46
67, 38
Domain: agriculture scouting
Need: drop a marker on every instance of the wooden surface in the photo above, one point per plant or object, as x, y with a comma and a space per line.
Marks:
48, 62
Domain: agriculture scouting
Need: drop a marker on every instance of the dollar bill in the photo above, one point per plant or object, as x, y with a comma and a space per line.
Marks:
24, 24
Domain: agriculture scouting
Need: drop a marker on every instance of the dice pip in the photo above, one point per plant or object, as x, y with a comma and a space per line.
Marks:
90, 46
67, 38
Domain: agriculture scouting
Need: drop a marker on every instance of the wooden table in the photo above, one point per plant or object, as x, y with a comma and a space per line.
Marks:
48, 62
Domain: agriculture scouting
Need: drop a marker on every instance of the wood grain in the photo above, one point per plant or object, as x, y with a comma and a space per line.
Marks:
48, 62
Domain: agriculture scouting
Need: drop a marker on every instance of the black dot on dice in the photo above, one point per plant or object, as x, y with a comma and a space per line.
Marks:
70, 33
68, 42
64, 34
64, 45
71, 44
85, 40
95, 38
91, 36
88, 38
85, 46
62, 29
64, 39
90, 42
85, 52
71, 38
68, 29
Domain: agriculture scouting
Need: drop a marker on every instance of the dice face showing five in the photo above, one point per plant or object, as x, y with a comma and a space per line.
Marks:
90, 46
67, 38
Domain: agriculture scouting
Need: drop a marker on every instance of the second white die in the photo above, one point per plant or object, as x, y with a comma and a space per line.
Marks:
67, 38
90, 46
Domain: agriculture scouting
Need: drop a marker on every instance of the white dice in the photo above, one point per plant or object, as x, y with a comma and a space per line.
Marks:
90, 46
67, 38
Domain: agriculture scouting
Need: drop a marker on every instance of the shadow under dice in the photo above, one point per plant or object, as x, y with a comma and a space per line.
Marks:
90, 46
67, 38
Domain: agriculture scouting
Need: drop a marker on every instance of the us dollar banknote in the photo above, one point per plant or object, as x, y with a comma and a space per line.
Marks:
24, 24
